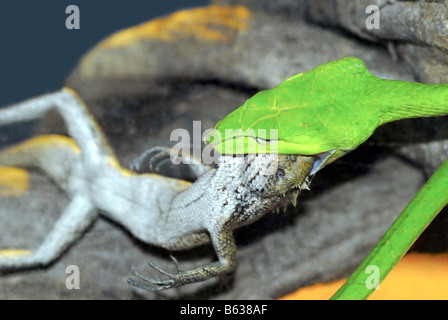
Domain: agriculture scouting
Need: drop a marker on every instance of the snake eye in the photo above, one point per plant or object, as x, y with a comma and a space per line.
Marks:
280, 172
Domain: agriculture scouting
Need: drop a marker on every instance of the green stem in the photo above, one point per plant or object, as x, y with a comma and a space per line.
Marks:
414, 219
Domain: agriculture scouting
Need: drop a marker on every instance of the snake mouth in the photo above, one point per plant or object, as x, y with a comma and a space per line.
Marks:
244, 144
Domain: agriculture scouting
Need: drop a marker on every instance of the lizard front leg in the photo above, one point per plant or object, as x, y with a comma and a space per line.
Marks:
225, 247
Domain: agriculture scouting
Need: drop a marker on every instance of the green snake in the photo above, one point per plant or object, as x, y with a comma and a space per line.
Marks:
328, 112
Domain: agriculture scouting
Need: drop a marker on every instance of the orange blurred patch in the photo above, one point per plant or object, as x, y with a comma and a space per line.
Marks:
14, 253
416, 277
13, 181
43, 142
211, 23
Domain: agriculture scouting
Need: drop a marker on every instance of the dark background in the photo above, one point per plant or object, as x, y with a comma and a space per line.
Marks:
37, 52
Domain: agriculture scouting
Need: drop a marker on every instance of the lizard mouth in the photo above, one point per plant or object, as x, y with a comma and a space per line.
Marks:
291, 196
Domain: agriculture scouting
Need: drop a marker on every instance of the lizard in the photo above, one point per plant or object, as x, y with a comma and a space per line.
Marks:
170, 213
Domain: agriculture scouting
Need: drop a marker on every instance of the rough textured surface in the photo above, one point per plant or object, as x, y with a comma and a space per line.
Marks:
417, 30
351, 202
266, 50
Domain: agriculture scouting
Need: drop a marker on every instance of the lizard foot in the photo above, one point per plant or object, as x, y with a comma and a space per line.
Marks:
165, 161
174, 279
151, 160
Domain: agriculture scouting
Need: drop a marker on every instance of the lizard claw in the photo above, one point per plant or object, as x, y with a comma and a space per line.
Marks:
151, 160
173, 280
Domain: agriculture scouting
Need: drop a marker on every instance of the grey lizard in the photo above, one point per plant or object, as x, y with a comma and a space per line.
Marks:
171, 213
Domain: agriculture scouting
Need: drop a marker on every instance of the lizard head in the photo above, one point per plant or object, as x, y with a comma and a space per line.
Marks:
254, 184
274, 176
289, 172
289, 177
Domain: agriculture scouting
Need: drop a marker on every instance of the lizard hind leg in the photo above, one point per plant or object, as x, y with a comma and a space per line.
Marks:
75, 219
80, 123
61, 159
55, 155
